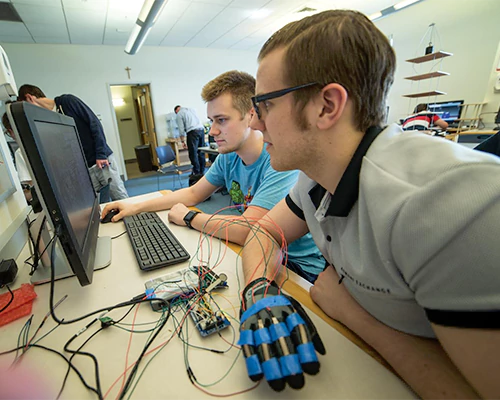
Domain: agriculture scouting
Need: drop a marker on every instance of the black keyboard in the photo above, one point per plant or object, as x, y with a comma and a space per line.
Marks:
155, 246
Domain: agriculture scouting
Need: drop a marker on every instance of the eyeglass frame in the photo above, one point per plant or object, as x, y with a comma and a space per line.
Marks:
277, 93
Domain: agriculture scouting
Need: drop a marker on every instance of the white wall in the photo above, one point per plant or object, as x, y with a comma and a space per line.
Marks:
468, 29
176, 76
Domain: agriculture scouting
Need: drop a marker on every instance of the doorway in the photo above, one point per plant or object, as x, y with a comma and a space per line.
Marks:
136, 127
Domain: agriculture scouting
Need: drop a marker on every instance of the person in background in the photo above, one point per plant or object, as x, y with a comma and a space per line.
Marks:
408, 224
423, 120
189, 125
21, 167
242, 167
101, 162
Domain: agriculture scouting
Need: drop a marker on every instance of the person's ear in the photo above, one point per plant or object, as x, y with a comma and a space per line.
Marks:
30, 99
333, 99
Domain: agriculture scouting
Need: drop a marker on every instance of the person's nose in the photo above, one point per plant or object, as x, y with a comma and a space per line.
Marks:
256, 123
214, 131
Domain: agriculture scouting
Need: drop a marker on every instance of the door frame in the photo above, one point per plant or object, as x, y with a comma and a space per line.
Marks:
113, 114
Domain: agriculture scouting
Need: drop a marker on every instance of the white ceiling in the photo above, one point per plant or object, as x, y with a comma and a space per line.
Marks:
226, 24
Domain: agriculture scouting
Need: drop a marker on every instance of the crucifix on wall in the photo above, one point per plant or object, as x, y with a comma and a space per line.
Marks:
128, 69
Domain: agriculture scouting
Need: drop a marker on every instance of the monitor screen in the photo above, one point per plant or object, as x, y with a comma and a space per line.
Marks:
448, 111
52, 148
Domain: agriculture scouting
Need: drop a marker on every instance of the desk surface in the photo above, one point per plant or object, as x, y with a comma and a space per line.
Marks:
346, 371
209, 150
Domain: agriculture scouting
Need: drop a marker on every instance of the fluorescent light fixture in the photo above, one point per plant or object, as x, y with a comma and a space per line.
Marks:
150, 12
261, 13
118, 102
375, 16
404, 3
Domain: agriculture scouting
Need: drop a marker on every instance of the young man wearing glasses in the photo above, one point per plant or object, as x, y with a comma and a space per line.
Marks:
412, 245
243, 168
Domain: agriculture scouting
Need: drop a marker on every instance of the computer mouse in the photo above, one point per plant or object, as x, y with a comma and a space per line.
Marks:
109, 215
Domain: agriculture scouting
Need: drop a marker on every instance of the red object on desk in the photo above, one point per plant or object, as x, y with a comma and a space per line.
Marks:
21, 304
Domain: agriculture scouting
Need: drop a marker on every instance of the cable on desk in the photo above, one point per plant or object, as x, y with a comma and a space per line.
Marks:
117, 236
60, 355
11, 298
135, 300
77, 351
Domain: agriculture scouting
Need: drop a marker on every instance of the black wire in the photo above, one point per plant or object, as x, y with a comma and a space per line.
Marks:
136, 300
117, 236
10, 301
141, 356
39, 237
59, 354
83, 353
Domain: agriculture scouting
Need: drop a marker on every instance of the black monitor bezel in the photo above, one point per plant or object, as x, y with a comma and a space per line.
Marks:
81, 260
461, 108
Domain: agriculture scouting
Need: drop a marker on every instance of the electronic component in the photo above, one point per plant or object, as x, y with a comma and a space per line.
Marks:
8, 272
206, 320
183, 282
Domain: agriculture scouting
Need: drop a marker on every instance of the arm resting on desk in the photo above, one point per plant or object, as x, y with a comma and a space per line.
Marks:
421, 363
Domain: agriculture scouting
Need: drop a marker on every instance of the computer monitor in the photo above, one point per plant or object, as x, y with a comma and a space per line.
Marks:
51, 146
448, 111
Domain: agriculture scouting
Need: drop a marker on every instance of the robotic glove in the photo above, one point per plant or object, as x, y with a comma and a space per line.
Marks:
277, 338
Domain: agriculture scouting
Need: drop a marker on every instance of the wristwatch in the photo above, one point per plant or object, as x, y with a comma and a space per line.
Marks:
189, 217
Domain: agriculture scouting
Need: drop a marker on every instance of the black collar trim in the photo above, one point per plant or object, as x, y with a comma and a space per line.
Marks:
347, 191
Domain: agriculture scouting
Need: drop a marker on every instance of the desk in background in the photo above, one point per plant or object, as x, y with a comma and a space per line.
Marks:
346, 370
209, 150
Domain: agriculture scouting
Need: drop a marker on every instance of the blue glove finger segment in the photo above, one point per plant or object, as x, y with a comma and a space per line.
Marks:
293, 320
278, 330
307, 353
262, 336
272, 370
246, 337
290, 365
253, 365
271, 301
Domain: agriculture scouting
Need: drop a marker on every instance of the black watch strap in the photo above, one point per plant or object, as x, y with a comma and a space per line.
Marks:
189, 217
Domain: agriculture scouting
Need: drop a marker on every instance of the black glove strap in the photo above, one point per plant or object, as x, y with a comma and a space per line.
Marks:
256, 290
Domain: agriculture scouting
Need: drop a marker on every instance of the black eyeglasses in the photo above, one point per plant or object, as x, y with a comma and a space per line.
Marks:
278, 93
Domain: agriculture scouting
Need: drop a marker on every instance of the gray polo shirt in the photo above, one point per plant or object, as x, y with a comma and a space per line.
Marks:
414, 229
187, 121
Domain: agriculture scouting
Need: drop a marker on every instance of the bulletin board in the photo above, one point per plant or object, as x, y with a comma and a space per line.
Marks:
7, 186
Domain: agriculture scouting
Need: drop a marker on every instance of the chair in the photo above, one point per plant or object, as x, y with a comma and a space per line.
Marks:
166, 158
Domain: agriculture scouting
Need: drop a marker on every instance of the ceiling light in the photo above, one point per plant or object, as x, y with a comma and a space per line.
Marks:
374, 16
404, 3
261, 13
118, 102
150, 12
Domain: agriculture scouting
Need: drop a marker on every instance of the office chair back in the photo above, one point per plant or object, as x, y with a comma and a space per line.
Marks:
165, 155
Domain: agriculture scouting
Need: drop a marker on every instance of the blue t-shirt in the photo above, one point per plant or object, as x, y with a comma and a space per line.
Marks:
261, 186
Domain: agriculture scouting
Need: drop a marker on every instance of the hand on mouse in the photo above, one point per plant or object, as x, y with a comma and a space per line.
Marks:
124, 210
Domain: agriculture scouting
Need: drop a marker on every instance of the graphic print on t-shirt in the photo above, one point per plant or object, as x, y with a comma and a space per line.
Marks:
240, 200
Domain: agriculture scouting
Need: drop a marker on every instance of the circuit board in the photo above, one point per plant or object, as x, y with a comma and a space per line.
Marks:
181, 282
206, 319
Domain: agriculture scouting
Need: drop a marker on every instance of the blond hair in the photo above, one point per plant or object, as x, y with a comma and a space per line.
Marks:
240, 84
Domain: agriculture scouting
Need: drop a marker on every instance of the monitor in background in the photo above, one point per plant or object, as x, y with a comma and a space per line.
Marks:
497, 118
448, 111
51, 146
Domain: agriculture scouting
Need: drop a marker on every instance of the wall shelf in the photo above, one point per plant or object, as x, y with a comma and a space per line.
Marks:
429, 57
429, 75
424, 94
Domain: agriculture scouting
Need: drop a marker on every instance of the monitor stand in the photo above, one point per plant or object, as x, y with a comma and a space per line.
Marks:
61, 265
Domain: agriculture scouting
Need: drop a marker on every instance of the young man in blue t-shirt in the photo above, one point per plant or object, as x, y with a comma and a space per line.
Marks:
243, 168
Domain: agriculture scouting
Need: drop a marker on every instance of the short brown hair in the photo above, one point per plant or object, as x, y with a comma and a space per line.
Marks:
421, 107
6, 122
338, 46
30, 89
240, 84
